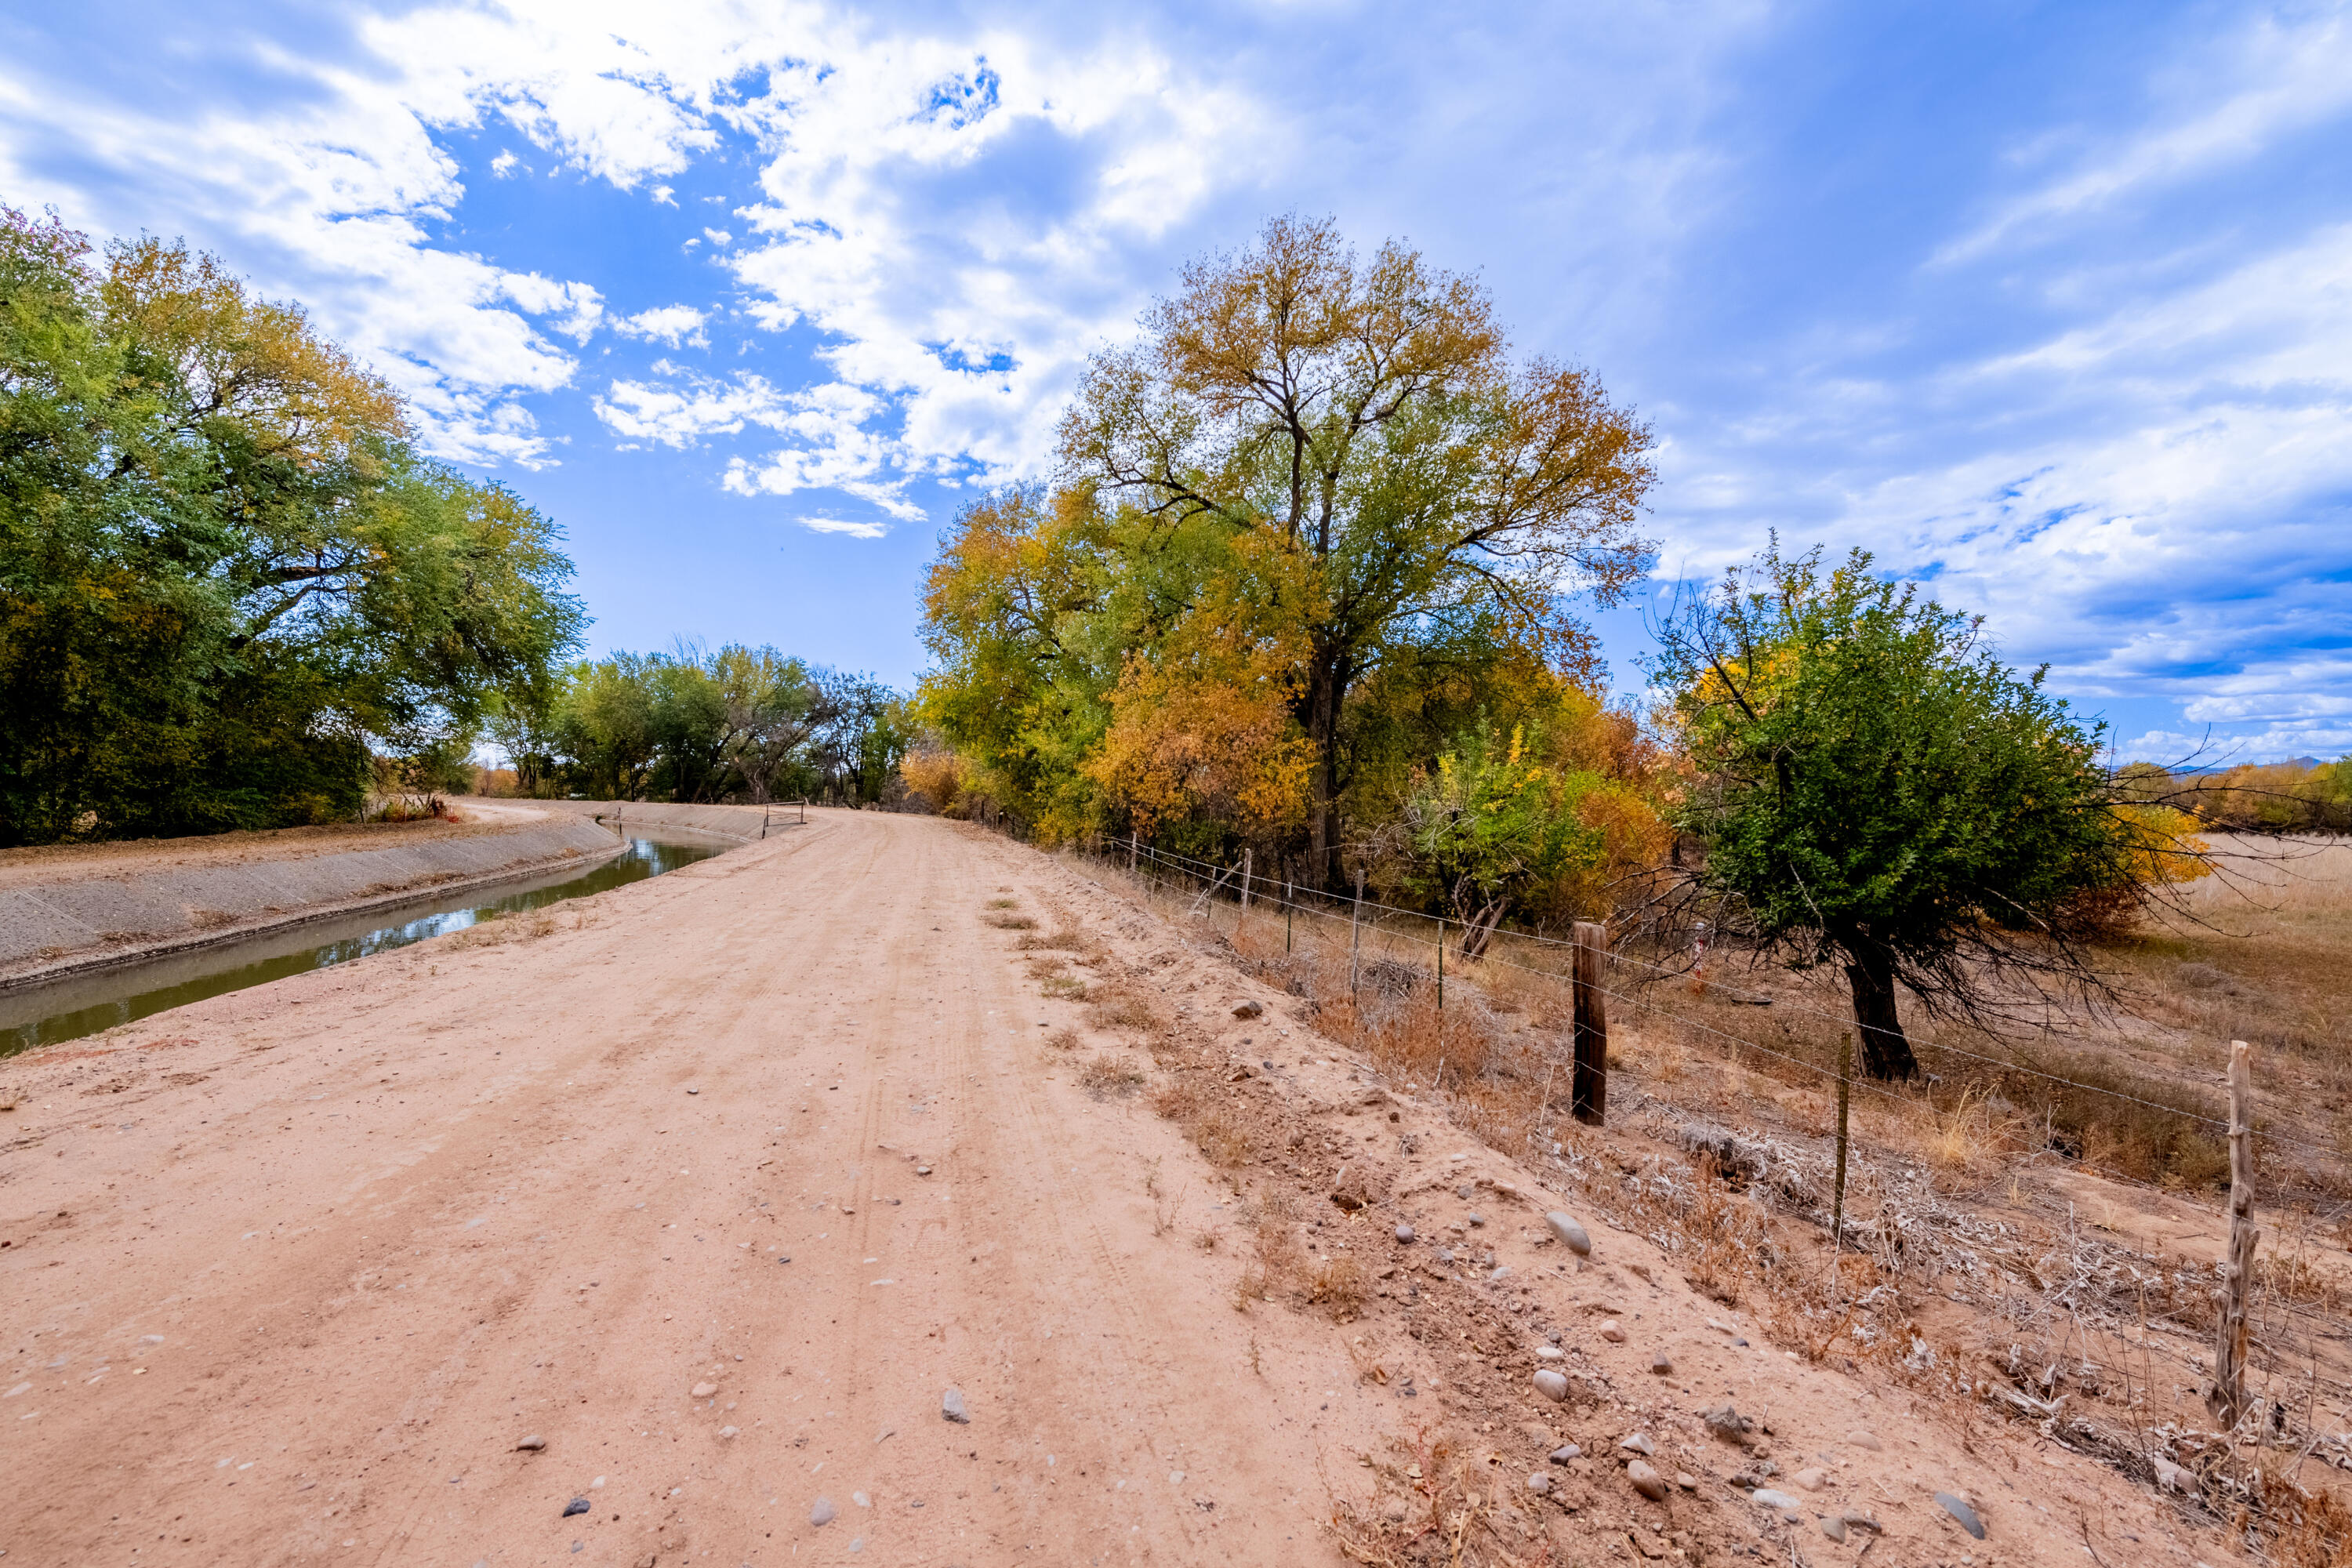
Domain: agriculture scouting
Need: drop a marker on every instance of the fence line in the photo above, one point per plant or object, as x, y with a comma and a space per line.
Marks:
1180, 862
2333, 1327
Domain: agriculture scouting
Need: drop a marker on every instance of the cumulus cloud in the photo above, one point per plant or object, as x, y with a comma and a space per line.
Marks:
671, 324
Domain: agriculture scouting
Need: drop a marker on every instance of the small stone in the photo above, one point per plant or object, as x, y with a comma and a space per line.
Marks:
1834, 1529
532, 1445
1404, 1234
951, 1407
820, 1511
577, 1505
1566, 1452
1729, 1424
922, 1169
1863, 1437
1771, 1499
1662, 1364
1646, 1481
1550, 1352
1612, 1332
1639, 1443
1856, 1519
1445, 1255
1685, 1480
1539, 1484
1960, 1510
1812, 1479
1250, 1010
694, 1091
1572, 1234
727, 1431
1552, 1385
1477, 1218
705, 1390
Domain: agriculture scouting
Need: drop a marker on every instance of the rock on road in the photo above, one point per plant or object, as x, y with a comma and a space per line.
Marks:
294, 1273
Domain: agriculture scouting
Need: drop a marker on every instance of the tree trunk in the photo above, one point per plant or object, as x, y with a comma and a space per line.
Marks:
1885, 1053
1321, 722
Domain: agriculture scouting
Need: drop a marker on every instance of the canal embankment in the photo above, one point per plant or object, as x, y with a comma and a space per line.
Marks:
66, 910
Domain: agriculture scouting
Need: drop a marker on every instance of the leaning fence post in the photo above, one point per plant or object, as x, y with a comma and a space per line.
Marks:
1130, 854
1589, 1084
1245, 882
1289, 896
1441, 964
2227, 1398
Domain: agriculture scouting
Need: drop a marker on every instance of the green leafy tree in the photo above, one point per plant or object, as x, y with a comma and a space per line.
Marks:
1490, 824
1876, 790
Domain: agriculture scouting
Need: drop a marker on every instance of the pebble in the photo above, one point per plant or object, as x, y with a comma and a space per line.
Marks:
1662, 1364
1729, 1424
1566, 1452
577, 1505
1572, 1234
1960, 1510
1863, 1437
1552, 1385
1859, 1520
1539, 1484
1646, 1481
1404, 1234
951, 1407
1685, 1480
1812, 1479
1612, 1332
1639, 1443
1445, 1255
1477, 1218
1250, 1010
727, 1431
1834, 1529
821, 1512
922, 1169
1771, 1499
705, 1390
532, 1445
1550, 1352
694, 1091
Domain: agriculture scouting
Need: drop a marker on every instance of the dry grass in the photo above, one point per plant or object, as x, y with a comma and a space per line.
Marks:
1063, 988
1105, 1076
1119, 1006
1336, 1282
1003, 921
1063, 1041
1064, 937
1004, 904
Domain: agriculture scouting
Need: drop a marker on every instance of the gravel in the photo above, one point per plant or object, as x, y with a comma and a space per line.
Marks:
1960, 1510
951, 1407
1552, 1385
821, 1512
1646, 1480
1404, 1234
577, 1505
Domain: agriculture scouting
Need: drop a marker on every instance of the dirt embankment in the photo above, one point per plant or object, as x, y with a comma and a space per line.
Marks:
691, 1205
63, 910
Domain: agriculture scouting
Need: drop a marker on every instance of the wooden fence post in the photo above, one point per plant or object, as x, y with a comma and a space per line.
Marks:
1588, 1090
1355, 933
1837, 1204
1130, 854
1246, 881
2227, 1398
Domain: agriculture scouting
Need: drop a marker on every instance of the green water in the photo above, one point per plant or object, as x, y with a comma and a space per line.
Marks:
84, 1004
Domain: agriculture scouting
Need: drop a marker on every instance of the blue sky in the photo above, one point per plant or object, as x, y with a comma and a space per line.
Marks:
2050, 305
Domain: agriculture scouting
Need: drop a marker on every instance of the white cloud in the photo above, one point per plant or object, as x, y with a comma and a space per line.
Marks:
505, 164
692, 412
664, 195
855, 529
576, 309
718, 236
671, 324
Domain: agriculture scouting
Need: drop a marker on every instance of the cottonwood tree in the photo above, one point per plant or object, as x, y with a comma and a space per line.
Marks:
1876, 790
1348, 446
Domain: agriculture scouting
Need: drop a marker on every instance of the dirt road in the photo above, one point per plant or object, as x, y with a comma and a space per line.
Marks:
290, 1274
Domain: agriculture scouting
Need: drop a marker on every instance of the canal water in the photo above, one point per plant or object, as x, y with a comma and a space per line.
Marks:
86, 1003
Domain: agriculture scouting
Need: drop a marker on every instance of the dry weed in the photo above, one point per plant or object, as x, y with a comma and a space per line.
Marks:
1106, 1076
1064, 937
1063, 1041
1004, 904
1063, 988
1336, 1282
1011, 923
1122, 1006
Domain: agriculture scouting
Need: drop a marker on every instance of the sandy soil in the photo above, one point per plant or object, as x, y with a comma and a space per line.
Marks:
717, 1183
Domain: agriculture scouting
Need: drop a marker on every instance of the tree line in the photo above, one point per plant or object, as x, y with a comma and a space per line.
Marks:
1307, 582
228, 579
734, 724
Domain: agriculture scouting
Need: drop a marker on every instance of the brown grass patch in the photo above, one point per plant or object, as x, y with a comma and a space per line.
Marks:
1064, 937
1106, 1075
1062, 987
1063, 1041
1003, 903
1124, 1007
